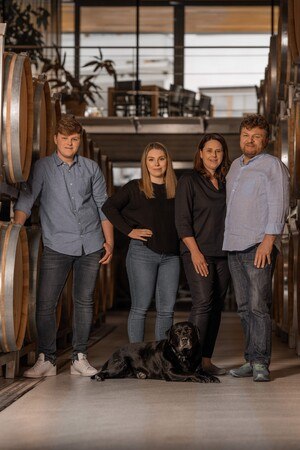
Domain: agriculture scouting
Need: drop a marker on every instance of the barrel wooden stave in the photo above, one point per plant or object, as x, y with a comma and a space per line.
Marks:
14, 288
296, 150
283, 61
42, 132
294, 29
55, 117
17, 113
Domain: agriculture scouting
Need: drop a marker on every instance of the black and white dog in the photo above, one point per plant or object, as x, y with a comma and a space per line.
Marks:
177, 358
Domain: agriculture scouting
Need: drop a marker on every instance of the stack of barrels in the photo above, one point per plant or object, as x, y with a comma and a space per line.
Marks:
29, 116
279, 102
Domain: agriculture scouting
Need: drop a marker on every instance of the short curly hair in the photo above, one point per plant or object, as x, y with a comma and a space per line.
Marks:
253, 121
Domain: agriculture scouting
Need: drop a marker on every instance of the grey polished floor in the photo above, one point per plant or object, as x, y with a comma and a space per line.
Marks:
69, 412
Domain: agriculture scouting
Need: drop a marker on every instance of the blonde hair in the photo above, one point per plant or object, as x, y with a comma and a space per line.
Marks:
145, 184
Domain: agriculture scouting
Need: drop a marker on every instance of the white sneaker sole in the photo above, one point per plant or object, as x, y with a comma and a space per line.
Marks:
39, 376
74, 371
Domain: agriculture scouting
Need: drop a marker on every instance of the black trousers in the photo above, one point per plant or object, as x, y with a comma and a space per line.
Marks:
208, 294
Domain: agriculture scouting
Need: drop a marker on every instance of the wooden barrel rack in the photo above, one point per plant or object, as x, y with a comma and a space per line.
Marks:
281, 107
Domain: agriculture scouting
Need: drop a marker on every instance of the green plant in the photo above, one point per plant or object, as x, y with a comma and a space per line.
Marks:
24, 25
80, 90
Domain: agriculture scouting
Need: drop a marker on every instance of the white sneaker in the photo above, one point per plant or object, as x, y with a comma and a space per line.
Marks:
82, 367
41, 368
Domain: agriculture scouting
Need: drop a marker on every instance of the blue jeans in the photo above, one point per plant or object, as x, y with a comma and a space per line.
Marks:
54, 270
253, 291
150, 274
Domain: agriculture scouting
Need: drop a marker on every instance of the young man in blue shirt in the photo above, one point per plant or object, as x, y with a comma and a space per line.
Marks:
76, 234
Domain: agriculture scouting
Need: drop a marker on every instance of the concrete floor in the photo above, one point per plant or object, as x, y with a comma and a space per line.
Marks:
69, 412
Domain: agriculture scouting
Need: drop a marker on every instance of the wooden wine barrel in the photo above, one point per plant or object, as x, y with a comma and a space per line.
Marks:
14, 286
294, 282
294, 29
42, 112
97, 155
283, 141
297, 283
34, 237
271, 82
110, 284
296, 150
107, 169
291, 290
278, 293
17, 113
84, 146
91, 149
284, 325
55, 117
260, 98
265, 93
283, 62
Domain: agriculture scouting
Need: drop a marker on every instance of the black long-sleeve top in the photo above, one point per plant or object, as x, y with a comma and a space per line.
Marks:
129, 208
200, 211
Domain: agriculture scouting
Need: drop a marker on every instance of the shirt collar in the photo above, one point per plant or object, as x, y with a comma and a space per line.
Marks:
59, 162
250, 160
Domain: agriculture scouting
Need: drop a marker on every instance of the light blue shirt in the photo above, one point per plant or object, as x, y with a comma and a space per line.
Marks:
71, 198
257, 201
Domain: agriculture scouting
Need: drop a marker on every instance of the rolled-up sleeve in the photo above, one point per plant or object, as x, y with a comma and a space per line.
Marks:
99, 191
30, 190
278, 188
184, 207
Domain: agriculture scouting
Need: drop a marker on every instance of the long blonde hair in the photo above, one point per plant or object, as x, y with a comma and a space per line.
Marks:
145, 184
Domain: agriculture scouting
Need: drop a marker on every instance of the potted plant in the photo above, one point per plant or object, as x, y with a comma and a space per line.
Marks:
77, 93
24, 29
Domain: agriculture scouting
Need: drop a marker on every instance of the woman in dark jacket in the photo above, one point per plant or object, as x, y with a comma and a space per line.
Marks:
144, 210
200, 209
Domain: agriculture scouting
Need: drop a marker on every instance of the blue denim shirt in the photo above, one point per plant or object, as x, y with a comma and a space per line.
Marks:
257, 201
71, 198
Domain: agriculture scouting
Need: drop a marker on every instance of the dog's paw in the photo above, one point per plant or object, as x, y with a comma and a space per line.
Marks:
214, 379
97, 377
141, 375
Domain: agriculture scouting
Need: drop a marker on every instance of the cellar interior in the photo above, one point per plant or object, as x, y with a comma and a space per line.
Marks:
170, 72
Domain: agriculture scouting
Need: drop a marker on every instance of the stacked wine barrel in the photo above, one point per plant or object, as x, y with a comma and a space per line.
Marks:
29, 116
279, 101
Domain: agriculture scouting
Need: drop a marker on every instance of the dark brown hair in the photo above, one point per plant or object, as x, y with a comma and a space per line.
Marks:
68, 125
170, 177
253, 121
223, 168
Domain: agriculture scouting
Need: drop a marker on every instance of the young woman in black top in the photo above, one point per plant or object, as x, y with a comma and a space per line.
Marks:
144, 210
200, 209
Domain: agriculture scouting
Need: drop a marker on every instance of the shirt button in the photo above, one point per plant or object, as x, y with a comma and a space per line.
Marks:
70, 184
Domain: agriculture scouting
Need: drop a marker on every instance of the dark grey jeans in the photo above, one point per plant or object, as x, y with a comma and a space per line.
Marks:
54, 271
253, 291
208, 295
